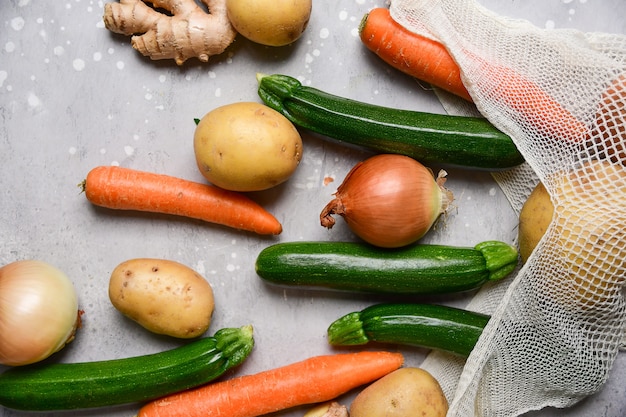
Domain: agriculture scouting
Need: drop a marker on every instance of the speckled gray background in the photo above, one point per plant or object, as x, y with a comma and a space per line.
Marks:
73, 96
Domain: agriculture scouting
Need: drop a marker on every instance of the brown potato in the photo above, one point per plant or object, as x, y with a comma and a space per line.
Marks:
406, 392
163, 296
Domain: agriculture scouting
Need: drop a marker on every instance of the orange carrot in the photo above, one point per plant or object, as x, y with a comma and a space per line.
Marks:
314, 380
609, 131
126, 189
537, 108
430, 61
408, 52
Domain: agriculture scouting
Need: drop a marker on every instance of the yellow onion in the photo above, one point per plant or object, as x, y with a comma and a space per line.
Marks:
389, 200
38, 312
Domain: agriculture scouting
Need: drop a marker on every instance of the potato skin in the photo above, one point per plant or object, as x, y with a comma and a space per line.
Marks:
270, 22
585, 242
406, 392
163, 296
534, 220
246, 146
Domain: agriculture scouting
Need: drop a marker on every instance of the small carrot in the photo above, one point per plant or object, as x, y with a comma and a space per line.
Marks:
127, 189
314, 380
430, 61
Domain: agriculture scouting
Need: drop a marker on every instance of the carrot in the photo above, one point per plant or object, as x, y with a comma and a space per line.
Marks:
314, 380
609, 131
127, 189
430, 61
410, 53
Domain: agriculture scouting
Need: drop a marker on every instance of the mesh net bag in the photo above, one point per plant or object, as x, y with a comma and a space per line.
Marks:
559, 322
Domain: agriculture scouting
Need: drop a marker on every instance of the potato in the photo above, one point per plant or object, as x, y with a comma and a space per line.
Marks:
534, 219
163, 296
589, 227
328, 409
406, 392
270, 22
246, 146
588, 234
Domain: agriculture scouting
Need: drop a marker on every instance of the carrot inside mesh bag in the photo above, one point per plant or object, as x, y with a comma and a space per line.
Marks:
558, 324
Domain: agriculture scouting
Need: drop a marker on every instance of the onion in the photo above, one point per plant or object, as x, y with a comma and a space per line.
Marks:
38, 312
389, 200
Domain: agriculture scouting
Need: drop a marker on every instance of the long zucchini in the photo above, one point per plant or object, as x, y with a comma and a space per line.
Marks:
430, 326
66, 386
417, 269
430, 138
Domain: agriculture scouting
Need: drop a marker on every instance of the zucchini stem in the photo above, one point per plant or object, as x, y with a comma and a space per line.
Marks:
500, 258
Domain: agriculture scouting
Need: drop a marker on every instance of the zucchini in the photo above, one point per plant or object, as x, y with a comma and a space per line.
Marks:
470, 142
429, 326
416, 269
65, 386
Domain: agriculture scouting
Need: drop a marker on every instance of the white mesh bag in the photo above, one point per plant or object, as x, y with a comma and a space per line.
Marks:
558, 324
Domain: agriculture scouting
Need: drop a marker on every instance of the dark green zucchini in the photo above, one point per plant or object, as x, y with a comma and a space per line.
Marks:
462, 141
417, 269
65, 386
429, 326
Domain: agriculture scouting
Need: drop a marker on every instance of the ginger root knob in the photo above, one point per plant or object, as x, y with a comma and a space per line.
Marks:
187, 32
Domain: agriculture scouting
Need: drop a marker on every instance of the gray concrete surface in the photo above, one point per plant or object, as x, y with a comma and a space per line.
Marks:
74, 96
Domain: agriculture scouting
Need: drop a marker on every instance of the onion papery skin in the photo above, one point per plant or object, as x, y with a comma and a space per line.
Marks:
38, 312
389, 200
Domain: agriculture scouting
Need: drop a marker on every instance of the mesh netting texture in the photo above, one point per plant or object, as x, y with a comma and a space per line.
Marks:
558, 324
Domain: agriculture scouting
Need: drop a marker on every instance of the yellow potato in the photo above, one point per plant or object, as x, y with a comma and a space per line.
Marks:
163, 296
246, 146
590, 228
328, 409
534, 219
406, 392
588, 239
269, 22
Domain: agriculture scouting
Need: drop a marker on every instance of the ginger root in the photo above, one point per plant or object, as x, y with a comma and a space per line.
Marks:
186, 32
